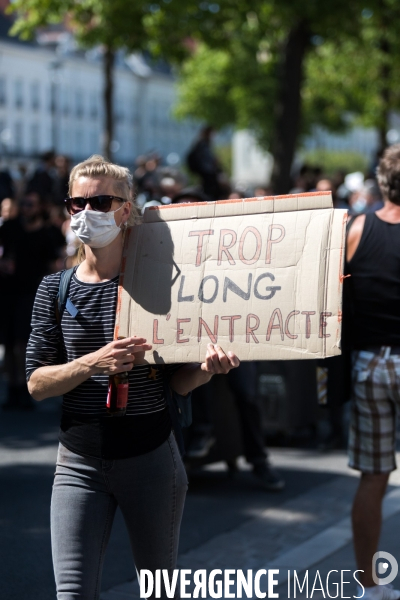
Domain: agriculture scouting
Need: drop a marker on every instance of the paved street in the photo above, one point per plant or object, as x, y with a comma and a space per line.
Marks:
228, 522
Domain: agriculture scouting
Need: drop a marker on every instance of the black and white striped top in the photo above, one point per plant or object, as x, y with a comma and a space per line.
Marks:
84, 407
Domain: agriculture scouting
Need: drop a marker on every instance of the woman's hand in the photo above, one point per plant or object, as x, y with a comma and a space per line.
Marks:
190, 376
217, 362
117, 356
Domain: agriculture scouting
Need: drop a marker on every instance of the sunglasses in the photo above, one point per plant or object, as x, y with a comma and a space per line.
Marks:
100, 203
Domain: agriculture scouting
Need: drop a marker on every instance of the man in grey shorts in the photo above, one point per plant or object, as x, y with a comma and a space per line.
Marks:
373, 261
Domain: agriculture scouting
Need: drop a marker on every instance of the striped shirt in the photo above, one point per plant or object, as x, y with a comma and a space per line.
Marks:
86, 428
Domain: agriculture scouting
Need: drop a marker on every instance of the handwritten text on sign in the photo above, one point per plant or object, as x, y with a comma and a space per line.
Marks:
265, 285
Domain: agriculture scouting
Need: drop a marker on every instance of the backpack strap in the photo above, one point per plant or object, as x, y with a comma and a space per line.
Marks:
62, 296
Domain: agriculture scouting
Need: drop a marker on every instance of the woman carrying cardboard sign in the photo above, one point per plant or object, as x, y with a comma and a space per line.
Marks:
103, 462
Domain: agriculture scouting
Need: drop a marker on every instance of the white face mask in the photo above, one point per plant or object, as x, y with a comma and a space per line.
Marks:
95, 229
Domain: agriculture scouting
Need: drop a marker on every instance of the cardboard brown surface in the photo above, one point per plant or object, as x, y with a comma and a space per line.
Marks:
261, 276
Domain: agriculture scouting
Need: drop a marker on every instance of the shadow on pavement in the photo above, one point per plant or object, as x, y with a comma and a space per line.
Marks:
218, 502
31, 429
26, 568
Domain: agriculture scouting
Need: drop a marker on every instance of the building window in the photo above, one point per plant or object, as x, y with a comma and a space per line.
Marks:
94, 142
3, 97
48, 98
79, 104
119, 112
65, 140
18, 136
65, 101
94, 107
19, 96
79, 151
3, 135
155, 112
34, 138
35, 95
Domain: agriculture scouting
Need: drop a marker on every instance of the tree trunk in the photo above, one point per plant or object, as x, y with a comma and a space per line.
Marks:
288, 107
385, 76
108, 103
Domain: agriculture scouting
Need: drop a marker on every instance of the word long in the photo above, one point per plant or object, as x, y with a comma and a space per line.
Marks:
208, 292
248, 326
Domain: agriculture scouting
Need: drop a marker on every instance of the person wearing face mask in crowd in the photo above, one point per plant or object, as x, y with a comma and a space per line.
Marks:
103, 462
367, 199
28, 253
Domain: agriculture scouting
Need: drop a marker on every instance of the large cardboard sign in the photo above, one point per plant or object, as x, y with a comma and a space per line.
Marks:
261, 276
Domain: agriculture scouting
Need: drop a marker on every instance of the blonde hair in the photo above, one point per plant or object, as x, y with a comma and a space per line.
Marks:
98, 166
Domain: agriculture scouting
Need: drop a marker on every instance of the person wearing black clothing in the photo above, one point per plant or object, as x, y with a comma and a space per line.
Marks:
373, 262
61, 179
242, 383
7, 187
202, 161
43, 179
29, 252
103, 462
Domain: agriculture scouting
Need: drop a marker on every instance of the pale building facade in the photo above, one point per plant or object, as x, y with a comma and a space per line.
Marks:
54, 99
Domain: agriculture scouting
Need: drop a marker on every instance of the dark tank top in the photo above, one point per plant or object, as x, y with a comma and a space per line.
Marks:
375, 285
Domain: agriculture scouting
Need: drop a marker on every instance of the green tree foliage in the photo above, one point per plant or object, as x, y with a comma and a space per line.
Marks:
116, 24
351, 69
258, 77
224, 88
332, 161
357, 77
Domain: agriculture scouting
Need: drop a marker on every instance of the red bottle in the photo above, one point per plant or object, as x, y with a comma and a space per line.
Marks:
117, 397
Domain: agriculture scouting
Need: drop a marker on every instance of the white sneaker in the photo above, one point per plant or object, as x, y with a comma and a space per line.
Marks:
379, 592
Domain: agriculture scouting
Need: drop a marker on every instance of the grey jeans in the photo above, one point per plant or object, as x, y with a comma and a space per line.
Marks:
149, 489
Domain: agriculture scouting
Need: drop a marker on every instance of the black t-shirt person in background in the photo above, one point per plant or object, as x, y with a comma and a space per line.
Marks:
373, 328
29, 252
202, 161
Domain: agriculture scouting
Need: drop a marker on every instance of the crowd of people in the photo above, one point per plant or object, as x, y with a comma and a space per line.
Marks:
36, 239
33, 235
